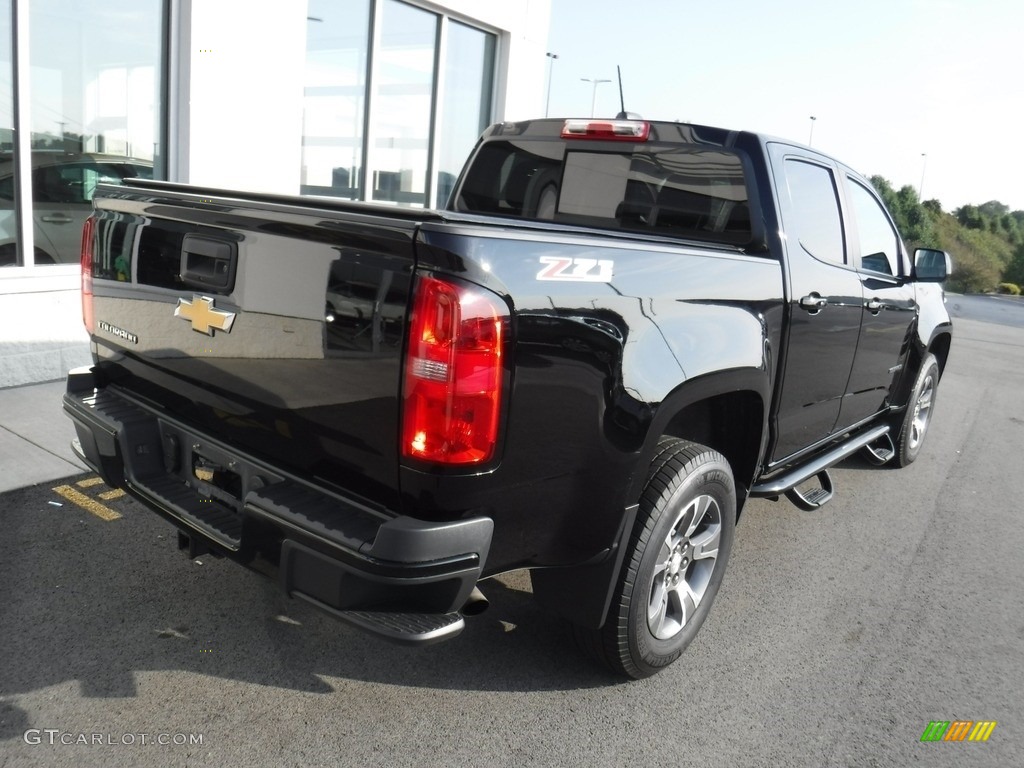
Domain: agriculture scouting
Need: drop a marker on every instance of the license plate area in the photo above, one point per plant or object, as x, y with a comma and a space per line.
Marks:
212, 471
217, 479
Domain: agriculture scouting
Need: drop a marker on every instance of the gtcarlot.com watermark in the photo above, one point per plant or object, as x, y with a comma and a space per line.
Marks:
55, 736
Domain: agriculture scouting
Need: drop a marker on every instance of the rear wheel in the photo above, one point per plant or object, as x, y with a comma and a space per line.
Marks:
918, 416
675, 562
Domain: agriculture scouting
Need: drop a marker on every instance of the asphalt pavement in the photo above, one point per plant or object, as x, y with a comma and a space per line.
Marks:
988, 308
837, 638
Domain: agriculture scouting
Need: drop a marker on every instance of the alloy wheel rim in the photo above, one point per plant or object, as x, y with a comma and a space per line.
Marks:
686, 561
922, 414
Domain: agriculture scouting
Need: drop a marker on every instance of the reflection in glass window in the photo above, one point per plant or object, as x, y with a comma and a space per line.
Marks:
335, 97
96, 76
96, 84
468, 85
400, 122
691, 192
378, 140
814, 211
879, 249
8, 192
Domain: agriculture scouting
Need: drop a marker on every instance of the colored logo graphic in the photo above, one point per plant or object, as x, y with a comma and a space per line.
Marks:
958, 730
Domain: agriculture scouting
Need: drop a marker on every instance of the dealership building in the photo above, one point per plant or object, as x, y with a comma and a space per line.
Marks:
371, 100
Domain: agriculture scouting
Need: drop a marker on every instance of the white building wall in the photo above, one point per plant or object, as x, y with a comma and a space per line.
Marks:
41, 332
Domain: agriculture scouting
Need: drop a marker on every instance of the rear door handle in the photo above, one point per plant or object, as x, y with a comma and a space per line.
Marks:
813, 303
57, 218
874, 306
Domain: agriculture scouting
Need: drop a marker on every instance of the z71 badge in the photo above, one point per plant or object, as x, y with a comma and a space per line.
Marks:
580, 270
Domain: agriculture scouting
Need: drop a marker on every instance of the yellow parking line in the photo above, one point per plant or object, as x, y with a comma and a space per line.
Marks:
89, 482
117, 493
89, 505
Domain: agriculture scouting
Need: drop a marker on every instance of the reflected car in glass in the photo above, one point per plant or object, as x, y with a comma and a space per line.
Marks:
62, 190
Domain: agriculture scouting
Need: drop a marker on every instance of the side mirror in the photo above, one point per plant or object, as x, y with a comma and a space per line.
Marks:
931, 266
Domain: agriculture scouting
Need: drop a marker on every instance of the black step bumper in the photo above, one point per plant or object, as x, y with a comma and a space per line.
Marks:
401, 578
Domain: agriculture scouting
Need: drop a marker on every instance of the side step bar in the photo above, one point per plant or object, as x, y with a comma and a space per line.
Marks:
880, 451
816, 498
398, 627
783, 484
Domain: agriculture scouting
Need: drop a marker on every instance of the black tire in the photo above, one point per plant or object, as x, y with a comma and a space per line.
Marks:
670, 573
918, 416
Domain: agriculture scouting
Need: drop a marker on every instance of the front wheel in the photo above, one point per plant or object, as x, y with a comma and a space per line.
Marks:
918, 416
675, 561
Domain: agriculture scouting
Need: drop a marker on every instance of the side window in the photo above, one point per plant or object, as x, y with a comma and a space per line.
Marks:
105, 173
57, 184
814, 221
879, 243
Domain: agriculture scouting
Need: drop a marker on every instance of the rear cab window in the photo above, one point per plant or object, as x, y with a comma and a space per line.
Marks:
670, 187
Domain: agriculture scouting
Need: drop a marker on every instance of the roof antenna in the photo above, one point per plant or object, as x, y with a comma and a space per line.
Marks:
623, 115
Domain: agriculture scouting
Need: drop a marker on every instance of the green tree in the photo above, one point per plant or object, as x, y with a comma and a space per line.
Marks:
1012, 228
913, 220
1014, 272
993, 209
986, 241
970, 216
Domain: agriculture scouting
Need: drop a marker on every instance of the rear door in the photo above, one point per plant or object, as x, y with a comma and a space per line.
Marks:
825, 299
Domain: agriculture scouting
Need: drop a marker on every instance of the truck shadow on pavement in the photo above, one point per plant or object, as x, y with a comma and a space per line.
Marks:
111, 603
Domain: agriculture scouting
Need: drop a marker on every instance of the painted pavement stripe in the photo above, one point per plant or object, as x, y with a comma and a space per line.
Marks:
89, 505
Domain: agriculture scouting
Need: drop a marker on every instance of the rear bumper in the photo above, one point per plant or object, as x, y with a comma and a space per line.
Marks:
395, 576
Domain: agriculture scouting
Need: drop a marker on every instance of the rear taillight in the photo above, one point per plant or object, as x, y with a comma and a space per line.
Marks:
87, 248
454, 373
608, 130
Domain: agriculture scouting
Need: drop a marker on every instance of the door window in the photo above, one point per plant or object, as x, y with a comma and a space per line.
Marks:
813, 218
879, 243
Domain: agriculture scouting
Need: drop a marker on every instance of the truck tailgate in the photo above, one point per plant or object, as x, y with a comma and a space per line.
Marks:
271, 325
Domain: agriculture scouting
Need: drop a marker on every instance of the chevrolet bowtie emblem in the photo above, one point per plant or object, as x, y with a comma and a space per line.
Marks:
203, 316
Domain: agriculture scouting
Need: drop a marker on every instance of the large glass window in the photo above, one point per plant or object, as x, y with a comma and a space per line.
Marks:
95, 89
466, 111
403, 94
391, 120
8, 188
335, 97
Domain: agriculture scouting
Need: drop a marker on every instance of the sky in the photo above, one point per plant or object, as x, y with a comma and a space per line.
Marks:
927, 93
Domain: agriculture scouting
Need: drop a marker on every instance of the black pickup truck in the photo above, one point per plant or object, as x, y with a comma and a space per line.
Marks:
616, 333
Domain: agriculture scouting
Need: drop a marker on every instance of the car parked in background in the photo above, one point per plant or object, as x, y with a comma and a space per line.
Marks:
62, 189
